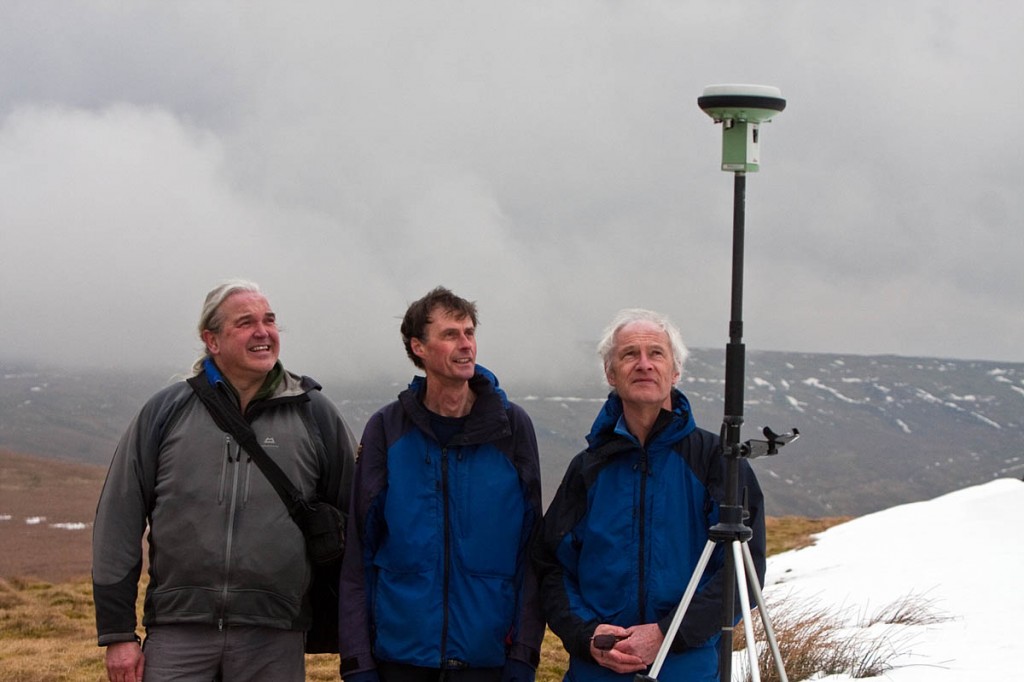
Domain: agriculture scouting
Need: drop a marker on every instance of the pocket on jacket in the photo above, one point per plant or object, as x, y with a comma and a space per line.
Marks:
490, 525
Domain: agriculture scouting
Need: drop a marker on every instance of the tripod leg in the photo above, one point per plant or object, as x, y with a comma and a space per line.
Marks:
684, 604
748, 622
769, 632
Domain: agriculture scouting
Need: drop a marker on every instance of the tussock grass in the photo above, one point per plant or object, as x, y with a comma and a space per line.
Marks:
913, 609
815, 641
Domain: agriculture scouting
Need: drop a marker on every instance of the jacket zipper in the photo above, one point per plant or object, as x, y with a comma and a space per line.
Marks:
236, 460
447, 554
641, 587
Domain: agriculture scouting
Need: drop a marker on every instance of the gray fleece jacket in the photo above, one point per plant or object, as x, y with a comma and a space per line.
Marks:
222, 548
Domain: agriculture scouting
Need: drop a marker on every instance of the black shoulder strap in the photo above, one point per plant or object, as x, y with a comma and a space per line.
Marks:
231, 421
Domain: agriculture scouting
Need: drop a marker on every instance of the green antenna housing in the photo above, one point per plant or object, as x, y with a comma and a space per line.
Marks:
741, 109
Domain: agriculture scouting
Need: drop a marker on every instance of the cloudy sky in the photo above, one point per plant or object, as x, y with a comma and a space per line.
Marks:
547, 160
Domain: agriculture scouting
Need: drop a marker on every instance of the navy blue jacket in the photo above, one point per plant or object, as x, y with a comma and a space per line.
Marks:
436, 571
625, 531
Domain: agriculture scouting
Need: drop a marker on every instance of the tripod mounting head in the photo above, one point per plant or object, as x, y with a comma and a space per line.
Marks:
741, 109
756, 448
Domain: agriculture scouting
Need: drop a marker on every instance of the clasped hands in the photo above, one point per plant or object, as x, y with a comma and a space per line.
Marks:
632, 649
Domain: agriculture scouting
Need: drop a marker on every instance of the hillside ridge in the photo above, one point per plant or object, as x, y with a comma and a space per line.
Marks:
875, 430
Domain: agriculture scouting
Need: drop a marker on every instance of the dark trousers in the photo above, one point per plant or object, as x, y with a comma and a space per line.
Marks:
398, 672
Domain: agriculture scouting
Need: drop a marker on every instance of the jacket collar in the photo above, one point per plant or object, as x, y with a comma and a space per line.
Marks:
278, 383
610, 424
487, 420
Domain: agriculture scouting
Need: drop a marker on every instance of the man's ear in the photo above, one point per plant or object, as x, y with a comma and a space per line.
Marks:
210, 340
417, 347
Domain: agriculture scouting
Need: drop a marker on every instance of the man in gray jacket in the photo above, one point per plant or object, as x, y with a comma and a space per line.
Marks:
228, 593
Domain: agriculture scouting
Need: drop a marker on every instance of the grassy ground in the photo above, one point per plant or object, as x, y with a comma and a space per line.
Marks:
47, 630
793, 532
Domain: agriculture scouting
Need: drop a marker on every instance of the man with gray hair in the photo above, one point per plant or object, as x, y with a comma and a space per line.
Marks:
229, 579
631, 518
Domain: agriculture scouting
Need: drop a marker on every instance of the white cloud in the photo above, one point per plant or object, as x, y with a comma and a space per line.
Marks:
548, 161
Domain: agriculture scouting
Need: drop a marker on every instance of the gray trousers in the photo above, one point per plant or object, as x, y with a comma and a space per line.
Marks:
202, 653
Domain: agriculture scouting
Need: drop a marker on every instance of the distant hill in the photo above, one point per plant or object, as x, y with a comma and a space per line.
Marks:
46, 512
876, 431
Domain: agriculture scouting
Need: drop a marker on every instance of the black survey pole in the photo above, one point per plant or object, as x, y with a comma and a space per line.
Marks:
730, 526
735, 355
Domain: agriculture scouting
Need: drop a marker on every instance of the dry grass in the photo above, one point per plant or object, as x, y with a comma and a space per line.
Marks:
913, 609
47, 634
805, 635
814, 640
553, 659
795, 532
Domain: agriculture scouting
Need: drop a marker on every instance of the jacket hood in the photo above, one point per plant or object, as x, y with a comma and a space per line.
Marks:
610, 421
483, 381
487, 420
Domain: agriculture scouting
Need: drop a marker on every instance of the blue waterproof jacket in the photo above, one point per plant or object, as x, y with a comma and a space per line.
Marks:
625, 531
436, 572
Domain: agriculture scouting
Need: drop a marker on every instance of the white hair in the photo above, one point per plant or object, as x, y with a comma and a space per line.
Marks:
606, 347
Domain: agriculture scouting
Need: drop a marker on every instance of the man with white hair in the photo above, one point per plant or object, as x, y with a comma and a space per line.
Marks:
229, 586
631, 517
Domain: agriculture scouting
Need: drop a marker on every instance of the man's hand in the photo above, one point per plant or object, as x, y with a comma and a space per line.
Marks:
616, 658
642, 641
125, 662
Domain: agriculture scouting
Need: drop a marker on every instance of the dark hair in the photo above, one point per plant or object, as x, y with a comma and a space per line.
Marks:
417, 317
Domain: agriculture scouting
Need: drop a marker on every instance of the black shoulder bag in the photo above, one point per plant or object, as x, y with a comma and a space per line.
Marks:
322, 524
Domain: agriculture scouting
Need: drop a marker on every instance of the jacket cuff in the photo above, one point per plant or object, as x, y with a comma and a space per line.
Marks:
679, 644
118, 637
525, 654
357, 663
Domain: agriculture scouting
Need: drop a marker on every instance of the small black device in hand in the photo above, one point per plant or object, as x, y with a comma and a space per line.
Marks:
606, 642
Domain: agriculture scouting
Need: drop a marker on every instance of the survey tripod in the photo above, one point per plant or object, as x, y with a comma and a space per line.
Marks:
740, 108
